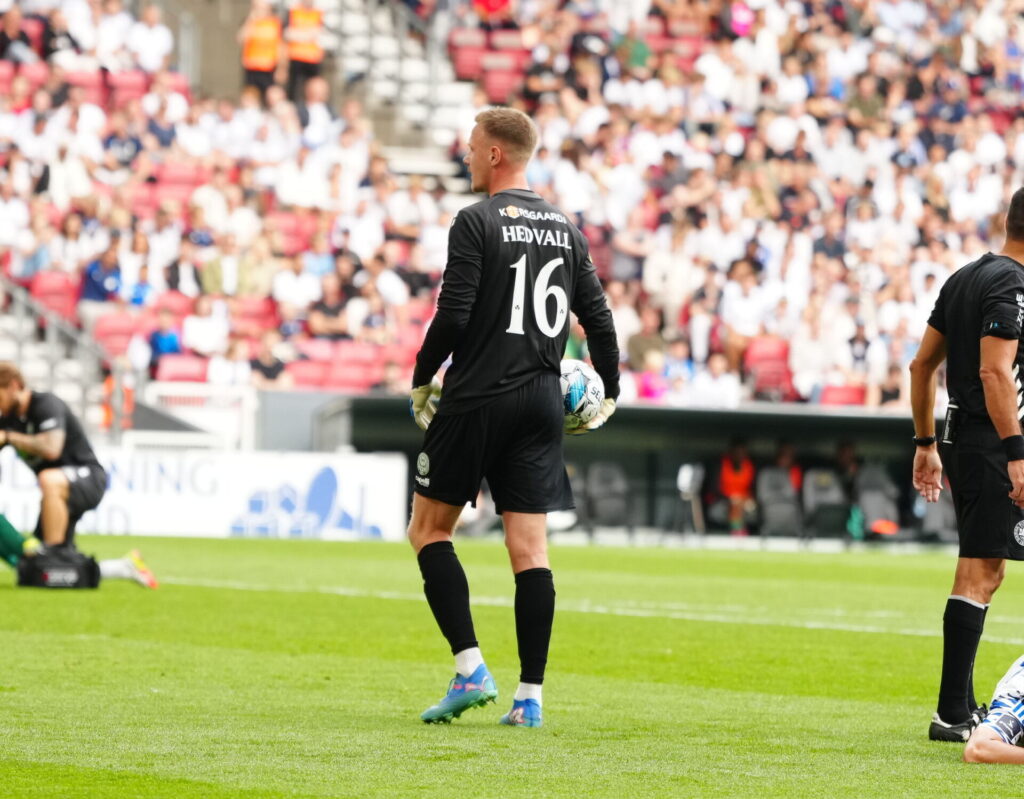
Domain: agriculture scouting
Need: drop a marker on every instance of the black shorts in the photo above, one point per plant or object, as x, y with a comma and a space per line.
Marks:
988, 523
86, 487
515, 441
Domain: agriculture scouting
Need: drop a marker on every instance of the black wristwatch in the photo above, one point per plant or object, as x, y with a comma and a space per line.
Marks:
924, 441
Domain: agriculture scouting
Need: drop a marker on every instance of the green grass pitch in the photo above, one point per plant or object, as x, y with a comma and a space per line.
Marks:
270, 669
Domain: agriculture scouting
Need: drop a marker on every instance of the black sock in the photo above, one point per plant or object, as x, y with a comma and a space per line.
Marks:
972, 703
444, 583
535, 609
962, 624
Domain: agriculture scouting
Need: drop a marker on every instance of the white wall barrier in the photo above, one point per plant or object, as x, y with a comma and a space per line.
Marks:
336, 497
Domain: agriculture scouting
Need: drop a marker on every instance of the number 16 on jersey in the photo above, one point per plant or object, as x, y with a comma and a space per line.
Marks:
541, 292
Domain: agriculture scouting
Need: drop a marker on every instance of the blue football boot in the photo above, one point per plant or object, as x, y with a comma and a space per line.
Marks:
476, 690
524, 713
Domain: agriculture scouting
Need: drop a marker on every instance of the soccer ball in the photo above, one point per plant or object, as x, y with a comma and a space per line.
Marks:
582, 393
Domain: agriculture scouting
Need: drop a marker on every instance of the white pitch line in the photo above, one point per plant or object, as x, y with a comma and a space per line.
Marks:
585, 606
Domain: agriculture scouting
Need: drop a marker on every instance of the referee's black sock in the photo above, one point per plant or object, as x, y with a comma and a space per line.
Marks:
972, 702
447, 590
535, 610
962, 624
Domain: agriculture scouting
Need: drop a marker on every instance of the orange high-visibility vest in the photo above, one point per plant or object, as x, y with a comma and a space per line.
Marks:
308, 20
261, 50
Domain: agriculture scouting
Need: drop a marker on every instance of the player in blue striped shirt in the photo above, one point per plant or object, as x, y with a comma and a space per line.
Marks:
998, 739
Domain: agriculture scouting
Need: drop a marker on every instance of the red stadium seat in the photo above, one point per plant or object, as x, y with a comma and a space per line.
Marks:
178, 173
91, 81
174, 192
34, 29
467, 37
183, 368
251, 316
349, 352
307, 374
57, 292
680, 28
653, 26
317, 349
843, 395
466, 62
766, 349
127, 86
499, 62
501, 85
36, 74
420, 310
6, 75
507, 40
175, 302
115, 344
177, 82
115, 324
773, 382
142, 200
353, 377
659, 44
404, 356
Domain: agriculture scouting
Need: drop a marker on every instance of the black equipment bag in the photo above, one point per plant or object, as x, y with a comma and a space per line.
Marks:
60, 567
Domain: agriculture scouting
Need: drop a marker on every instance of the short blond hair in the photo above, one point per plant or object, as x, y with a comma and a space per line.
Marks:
9, 373
512, 128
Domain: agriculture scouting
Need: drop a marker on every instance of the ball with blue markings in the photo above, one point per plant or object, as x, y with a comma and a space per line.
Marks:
582, 393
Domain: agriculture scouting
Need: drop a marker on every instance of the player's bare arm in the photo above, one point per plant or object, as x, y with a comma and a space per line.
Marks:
47, 445
927, 475
997, 360
985, 746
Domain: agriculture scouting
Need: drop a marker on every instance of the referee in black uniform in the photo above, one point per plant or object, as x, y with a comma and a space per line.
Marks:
976, 325
516, 267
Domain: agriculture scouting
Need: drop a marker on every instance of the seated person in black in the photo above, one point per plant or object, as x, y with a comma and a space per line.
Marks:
50, 440
327, 318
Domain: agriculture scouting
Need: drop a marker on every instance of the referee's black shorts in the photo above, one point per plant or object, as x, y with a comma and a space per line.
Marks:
515, 441
988, 523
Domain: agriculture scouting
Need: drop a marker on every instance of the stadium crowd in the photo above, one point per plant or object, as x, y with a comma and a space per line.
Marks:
773, 191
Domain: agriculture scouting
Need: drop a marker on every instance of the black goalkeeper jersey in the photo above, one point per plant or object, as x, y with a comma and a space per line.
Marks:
516, 268
984, 298
49, 412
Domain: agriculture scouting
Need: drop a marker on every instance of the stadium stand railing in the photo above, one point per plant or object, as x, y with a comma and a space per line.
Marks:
228, 413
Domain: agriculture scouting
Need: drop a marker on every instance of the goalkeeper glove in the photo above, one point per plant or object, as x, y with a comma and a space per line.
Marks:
607, 409
423, 403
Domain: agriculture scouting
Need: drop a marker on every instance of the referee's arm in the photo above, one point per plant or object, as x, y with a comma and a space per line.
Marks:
927, 466
997, 359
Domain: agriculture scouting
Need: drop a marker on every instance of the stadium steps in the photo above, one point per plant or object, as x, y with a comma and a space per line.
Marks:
399, 89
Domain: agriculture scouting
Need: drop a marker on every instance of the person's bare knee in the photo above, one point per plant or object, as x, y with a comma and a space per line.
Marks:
54, 483
431, 521
526, 540
978, 579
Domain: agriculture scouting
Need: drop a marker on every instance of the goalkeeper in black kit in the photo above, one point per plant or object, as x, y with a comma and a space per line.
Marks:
516, 268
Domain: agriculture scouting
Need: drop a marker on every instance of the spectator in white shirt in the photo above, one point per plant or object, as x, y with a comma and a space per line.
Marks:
392, 289
715, 386
150, 41
164, 236
295, 289
160, 93
205, 330
112, 37
14, 216
408, 211
744, 308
